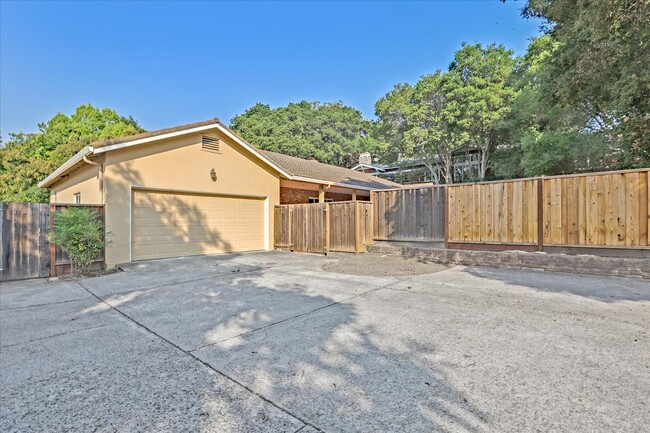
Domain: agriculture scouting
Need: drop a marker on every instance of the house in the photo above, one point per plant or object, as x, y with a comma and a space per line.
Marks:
195, 189
409, 171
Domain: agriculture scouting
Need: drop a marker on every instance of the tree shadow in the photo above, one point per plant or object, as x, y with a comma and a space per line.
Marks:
190, 217
598, 288
336, 362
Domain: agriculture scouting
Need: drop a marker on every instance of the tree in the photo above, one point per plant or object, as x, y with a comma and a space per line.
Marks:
479, 85
537, 137
333, 133
600, 67
26, 159
420, 122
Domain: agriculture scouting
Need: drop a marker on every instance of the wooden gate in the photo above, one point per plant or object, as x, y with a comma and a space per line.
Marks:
24, 243
410, 214
323, 227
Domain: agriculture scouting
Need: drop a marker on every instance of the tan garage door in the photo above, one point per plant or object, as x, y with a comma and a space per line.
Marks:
173, 225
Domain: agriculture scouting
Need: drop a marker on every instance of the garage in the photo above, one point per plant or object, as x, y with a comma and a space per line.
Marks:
173, 224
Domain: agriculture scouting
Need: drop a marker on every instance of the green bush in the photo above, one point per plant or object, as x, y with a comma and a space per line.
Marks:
80, 232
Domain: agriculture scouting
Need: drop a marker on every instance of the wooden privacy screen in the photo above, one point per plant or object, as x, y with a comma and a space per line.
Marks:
24, 243
593, 210
497, 212
602, 209
323, 227
410, 214
343, 218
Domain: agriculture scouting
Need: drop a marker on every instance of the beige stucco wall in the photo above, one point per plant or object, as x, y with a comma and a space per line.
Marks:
179, 164
176, 164
84, 180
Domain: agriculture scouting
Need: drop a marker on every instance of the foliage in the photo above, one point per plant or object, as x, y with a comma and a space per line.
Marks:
540, 138
80, 232
333, 133
480, 87
26, 159
419, 121
600, 69
443, 112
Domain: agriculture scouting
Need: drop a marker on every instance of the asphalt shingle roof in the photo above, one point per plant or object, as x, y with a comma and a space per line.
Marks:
318, 171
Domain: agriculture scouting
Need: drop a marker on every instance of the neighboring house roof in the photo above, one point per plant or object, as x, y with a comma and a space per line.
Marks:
314, 171
364, 166
287, 166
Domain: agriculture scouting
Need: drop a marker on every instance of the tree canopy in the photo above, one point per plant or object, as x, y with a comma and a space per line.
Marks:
600, 70
26, 159
332, 133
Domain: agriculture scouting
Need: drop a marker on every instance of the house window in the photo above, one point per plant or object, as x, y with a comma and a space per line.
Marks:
77, 198
315, 200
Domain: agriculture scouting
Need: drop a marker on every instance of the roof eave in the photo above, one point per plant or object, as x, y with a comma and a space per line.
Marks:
79, 156
89, 150
224, 129
344, 185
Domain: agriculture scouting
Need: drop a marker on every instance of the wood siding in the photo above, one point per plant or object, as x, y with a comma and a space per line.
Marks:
410, 214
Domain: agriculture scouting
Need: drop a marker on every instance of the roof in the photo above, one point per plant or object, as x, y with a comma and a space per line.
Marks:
287, 166
311, 170
362, 166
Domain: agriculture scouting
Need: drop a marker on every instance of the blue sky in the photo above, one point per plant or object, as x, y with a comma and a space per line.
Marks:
171, 63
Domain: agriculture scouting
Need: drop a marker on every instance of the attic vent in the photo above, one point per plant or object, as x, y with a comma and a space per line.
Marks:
210, 144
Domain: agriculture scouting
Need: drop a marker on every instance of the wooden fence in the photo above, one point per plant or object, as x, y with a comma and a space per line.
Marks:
323, 227
597, 210
495, 212
24, 242
412, 214
603, 209
25, 248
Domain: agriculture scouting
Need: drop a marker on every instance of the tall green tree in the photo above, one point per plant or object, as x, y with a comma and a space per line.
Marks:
333, 133
536, 137
26, 159
601, 67
419, 121
480, 87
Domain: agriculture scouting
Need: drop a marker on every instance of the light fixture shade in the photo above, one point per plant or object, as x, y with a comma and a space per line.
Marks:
213, 175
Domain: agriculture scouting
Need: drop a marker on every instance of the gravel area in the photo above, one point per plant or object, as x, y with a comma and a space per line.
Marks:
380, 265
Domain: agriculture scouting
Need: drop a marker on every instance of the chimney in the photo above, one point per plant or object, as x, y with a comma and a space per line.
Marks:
364, 158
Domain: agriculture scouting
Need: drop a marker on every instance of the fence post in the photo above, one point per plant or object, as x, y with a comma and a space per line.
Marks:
446, 214
52, 244
540, 214
290, 228
326, 243
357, 228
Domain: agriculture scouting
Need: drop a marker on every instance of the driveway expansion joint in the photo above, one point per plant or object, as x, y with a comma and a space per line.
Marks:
197, 359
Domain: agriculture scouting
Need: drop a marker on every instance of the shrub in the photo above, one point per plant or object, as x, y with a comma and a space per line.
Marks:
80, 232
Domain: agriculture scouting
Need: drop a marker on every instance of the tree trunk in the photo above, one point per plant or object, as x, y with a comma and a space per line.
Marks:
485, 159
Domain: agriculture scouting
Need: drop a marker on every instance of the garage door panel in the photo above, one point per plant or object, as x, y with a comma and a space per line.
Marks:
170, 225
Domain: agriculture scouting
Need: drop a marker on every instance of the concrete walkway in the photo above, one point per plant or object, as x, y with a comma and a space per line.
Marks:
271, 342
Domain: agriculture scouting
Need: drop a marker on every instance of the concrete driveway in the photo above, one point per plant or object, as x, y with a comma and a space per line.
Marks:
271, 342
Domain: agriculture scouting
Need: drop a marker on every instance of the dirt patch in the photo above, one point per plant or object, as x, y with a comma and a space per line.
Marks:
86, 274
378, 265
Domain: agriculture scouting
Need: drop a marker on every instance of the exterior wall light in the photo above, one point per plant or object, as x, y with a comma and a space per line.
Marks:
213, 175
